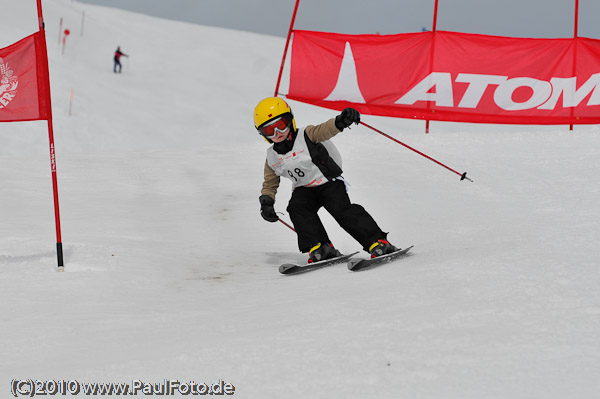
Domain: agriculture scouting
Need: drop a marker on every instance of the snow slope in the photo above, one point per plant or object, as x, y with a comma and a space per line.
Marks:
172, 274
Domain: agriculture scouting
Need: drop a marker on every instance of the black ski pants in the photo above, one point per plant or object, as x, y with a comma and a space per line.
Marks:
353, 218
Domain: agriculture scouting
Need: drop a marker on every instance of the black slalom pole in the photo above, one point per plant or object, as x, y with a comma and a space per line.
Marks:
463, 176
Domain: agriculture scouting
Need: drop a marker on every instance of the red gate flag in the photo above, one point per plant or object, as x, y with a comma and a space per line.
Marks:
450, 76
24, 86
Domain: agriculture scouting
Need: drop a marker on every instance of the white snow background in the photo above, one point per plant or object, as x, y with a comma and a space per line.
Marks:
171, 273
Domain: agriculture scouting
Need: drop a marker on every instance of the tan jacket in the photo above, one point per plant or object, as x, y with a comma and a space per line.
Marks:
317, 134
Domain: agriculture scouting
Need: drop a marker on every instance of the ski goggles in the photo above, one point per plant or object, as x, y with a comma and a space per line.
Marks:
270, 129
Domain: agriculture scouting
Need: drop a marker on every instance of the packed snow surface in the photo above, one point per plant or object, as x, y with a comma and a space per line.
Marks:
171, 273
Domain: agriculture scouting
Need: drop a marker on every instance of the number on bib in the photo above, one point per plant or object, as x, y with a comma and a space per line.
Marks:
298, 171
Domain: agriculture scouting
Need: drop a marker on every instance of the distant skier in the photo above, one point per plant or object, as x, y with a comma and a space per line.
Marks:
117, 59
313, 164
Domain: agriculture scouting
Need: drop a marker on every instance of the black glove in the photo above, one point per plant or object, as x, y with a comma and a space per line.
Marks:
267, 211
346, 118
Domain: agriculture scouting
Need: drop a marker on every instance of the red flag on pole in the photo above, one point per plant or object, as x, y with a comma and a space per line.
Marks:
24, 87
25, 96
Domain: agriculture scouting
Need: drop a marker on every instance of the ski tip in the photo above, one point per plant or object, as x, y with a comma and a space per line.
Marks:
284, 268
352, 263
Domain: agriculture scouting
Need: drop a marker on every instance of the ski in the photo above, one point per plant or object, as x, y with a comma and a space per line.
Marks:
290, 268
364, 264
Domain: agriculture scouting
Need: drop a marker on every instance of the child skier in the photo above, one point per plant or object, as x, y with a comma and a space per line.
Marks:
310, 160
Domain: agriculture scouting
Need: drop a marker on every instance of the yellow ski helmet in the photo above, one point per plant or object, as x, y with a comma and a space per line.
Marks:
271, 108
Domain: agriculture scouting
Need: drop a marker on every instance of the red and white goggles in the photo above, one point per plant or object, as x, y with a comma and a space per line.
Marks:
270, 129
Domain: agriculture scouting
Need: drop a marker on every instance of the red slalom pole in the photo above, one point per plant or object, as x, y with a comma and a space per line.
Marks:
43, 64
575, 34
463, 176
434, 32
287, 43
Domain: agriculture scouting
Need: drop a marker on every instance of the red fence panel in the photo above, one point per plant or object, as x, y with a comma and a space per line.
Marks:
472, 78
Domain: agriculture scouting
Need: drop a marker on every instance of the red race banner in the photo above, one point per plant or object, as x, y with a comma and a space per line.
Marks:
450, 76
24, 88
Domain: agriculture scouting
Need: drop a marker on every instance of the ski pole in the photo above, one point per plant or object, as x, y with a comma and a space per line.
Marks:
463, 176
290, 227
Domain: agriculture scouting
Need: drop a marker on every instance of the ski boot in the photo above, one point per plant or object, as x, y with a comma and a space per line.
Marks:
381, 247
322, 251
